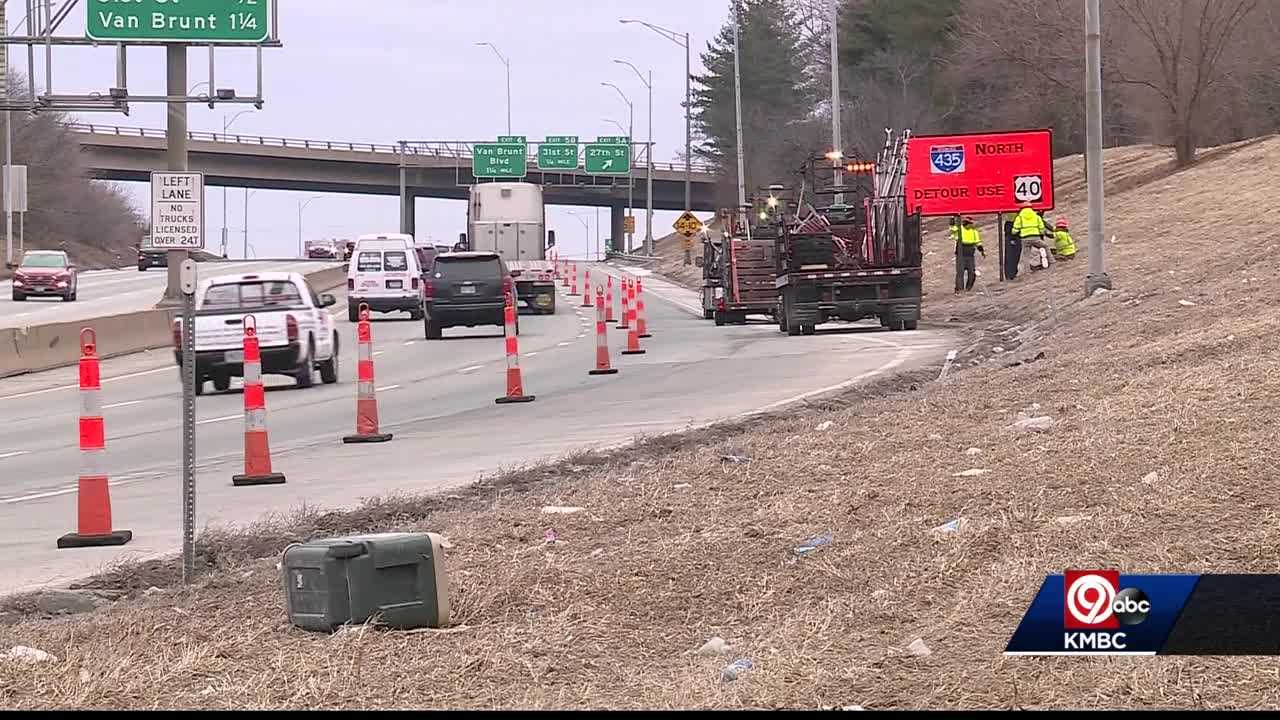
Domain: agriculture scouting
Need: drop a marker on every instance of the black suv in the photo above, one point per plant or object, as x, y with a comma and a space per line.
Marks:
466, 289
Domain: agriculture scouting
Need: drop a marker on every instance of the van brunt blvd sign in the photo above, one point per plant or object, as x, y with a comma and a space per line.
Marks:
177, 210
199, 21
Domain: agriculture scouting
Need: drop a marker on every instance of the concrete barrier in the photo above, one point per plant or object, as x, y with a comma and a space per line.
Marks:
53, 345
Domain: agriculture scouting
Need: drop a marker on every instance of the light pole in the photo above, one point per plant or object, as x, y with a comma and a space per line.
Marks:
247, 195
737, 105
225, 125
586, 229
648, 220
1097, 277
683, 41
836, 145
303, 206
507, 65
631, 183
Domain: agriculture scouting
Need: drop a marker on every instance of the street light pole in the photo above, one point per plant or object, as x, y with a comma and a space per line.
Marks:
226, 124
1097, 277
836, 145
737, 105
683, 41
631, 183
247, 195
303, 206
586, 230
648, 221
507, 65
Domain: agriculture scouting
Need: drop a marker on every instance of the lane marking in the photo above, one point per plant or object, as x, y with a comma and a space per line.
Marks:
122, 404
376, 353
410, 342
388, 387
566, 343
56, 493
531, 354
218, 419
16, 453
167, 368
473, 368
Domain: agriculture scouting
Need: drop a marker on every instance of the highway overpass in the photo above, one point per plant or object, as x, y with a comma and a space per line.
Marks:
430, 169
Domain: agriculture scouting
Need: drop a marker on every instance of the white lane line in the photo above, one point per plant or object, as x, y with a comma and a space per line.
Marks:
15, 453
219, 419
581, 335
410, 342
531, 354
388, 387
376, 353
473, 368
121, 404
32, 393
56, 493
566, 343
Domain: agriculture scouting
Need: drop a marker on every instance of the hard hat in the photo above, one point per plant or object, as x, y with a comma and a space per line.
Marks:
1026, 204
968, 219
1061, 223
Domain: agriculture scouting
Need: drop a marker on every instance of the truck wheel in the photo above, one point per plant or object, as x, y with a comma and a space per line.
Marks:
719, 318
417, 314
910, 324
303, 374
329, 368
19, 297
808, 329
432, 331
353, 313
708, 314
221, 381
789, 322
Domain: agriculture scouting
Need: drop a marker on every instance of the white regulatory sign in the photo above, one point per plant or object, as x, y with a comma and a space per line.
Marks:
1028, 188
177, 210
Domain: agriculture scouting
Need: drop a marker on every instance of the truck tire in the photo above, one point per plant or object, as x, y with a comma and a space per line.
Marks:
808, 329
910, 324
719, 318
353, 313
221, 381
708, 314
432, 331
329, 368
303, 374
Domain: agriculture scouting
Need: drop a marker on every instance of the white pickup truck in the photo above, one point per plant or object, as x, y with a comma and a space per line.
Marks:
296, 333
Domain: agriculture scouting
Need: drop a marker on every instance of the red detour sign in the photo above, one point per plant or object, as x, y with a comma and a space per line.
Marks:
980, 173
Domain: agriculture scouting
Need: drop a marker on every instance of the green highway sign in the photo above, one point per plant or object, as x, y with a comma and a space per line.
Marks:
607, 158
558, 152
195, 21
613, 140
518, 139
499, 160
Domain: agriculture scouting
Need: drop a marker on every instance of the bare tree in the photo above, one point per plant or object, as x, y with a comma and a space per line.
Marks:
1179, 60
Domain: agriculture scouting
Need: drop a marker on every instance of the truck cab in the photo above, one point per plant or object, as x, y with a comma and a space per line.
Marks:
509, 219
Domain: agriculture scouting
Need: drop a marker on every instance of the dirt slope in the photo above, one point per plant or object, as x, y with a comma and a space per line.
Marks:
1161, 458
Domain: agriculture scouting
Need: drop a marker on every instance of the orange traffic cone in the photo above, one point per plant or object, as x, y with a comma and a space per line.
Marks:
564, 273
573, 273
586, 289
626, 313
515, 386
633, 336
602, 340
366, 397
608, 302
257, 451
93, 493
641, 329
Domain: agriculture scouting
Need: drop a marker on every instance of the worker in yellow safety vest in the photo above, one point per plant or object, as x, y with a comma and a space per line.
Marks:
966, 268
1064, 248
1029, 227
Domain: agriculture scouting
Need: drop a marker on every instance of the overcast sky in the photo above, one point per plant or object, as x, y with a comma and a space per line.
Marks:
383, 70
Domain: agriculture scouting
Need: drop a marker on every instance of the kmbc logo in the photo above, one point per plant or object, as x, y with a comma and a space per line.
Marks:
1094, 601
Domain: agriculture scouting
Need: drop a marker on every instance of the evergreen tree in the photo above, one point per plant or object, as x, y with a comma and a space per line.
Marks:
778, 96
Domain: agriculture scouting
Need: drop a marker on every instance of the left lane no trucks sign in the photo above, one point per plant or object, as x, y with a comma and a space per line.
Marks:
177, 210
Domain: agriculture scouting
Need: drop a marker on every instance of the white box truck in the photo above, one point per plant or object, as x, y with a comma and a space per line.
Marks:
509, 218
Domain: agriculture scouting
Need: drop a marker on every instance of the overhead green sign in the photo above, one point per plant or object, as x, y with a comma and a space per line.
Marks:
499, 160
558, 152
607, 159
520, 139
197, 21
614, 140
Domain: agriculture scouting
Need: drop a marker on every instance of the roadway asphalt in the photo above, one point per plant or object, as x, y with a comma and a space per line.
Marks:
114, 292
437, 397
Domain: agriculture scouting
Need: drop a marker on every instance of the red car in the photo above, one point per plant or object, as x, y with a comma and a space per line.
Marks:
45, 273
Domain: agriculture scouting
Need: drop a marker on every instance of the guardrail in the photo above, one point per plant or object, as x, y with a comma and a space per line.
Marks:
459, 150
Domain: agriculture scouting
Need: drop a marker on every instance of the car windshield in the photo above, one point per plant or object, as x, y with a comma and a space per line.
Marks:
44, 260
251, 294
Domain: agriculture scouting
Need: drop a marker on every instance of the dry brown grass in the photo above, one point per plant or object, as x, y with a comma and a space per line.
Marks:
1137, 382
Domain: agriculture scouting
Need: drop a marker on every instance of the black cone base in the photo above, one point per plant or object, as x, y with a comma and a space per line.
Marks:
646, 335
517, 399
76, 540
269, 479
374, 438
633, 352
603, 371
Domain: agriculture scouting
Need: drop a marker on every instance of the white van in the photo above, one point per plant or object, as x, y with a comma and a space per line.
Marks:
385, 274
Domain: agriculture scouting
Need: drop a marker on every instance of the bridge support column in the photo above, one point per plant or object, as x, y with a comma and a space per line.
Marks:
617, 234
408, 219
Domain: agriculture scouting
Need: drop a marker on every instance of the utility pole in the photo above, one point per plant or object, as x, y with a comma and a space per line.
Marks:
836, 145
176, 149
8, 144
1097, 277
737, 105
648, 193
631, 183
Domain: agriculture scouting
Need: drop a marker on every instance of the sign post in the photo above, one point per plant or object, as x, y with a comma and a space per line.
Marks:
187, 283
177, 210
499, 160
558, 152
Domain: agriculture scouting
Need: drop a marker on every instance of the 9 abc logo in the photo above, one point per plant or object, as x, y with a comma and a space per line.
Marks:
1094, 601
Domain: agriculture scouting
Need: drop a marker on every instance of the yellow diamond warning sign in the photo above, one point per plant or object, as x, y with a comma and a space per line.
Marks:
688, 225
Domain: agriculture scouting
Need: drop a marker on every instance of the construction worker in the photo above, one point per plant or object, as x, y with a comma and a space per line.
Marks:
969, 241
1064, 248
1029, 226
